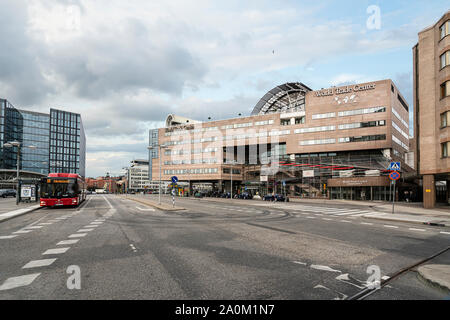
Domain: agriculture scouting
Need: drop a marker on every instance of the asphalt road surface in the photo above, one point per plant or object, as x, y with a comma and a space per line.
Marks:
213, 250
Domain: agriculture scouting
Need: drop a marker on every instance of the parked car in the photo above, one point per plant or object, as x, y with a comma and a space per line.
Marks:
269, 197
280, 197
7, 193
246, 196
199, 195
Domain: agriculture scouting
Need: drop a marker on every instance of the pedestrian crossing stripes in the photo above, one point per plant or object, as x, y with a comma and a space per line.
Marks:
342, 212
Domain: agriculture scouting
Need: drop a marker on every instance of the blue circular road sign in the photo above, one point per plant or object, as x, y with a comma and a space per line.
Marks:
394, 175
174, 179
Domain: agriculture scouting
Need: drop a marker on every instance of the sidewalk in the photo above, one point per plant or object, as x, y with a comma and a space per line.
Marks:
403, 212
145, 199
24, 209
436, 274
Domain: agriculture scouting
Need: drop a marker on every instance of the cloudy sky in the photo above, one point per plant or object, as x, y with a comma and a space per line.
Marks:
124, 65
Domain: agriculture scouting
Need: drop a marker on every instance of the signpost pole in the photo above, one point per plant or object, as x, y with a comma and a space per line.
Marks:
393, 198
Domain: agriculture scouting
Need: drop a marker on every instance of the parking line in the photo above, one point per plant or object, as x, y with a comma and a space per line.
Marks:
66, 242
39, 263
414, 229
7, 237
78, 235
15, 282
56, 251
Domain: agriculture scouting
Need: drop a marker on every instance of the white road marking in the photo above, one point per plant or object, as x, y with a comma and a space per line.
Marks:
301, 263
414, 229
109, 203
56, 251
34, 227
144, 209
15, 282
66, 242
78, 235
327, 219
45, 224
7, 237
94, 223
324, 268
346, 221
22, 231
85, 230
443, 232
310, 217
100, 220
388, 226
367, 223
91, 226
39, 263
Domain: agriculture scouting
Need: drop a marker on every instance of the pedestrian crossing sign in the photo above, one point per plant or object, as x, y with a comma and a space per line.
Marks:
395, 166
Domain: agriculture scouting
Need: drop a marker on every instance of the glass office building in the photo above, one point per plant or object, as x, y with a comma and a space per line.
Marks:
67, 143
52, 142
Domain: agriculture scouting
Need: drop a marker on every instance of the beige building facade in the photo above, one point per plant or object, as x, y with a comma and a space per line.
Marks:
297, 141
431, 57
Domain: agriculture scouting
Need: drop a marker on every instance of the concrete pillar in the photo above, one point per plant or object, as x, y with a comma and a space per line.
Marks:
190, 188
429, 191
220, 186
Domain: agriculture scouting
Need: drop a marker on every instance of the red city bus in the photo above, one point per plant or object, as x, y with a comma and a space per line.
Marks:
62, 189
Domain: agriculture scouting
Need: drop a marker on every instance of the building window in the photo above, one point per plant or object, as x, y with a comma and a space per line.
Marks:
285, 122
361, 111
445, 89
300, 120
314, 142
323, 115
445, 119
445, 59
315, 129
362, 125
363, 138
444, 149
445, 29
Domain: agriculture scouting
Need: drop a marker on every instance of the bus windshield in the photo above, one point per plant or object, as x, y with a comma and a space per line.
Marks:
59, 188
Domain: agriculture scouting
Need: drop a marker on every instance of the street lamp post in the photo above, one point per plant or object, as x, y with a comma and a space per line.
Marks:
160, 146
18, 145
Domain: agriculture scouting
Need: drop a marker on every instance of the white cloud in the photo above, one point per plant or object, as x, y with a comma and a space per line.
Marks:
124, 65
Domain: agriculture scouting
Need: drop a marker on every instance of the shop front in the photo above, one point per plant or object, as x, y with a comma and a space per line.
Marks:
360, 188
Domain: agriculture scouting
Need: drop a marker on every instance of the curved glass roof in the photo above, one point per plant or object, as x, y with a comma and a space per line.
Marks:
288, 97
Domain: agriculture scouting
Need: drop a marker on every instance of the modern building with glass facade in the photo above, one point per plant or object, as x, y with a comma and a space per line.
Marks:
336, 143
67, 143
431, 56
52, 142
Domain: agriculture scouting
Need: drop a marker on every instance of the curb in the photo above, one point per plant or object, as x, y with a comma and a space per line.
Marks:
19, 214
155, 205
431, 281
409, 221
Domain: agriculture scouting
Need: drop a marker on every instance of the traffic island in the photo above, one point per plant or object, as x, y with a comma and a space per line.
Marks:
148, 202
436, 274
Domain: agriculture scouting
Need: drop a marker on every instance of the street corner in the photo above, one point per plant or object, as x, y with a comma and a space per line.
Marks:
436, 274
